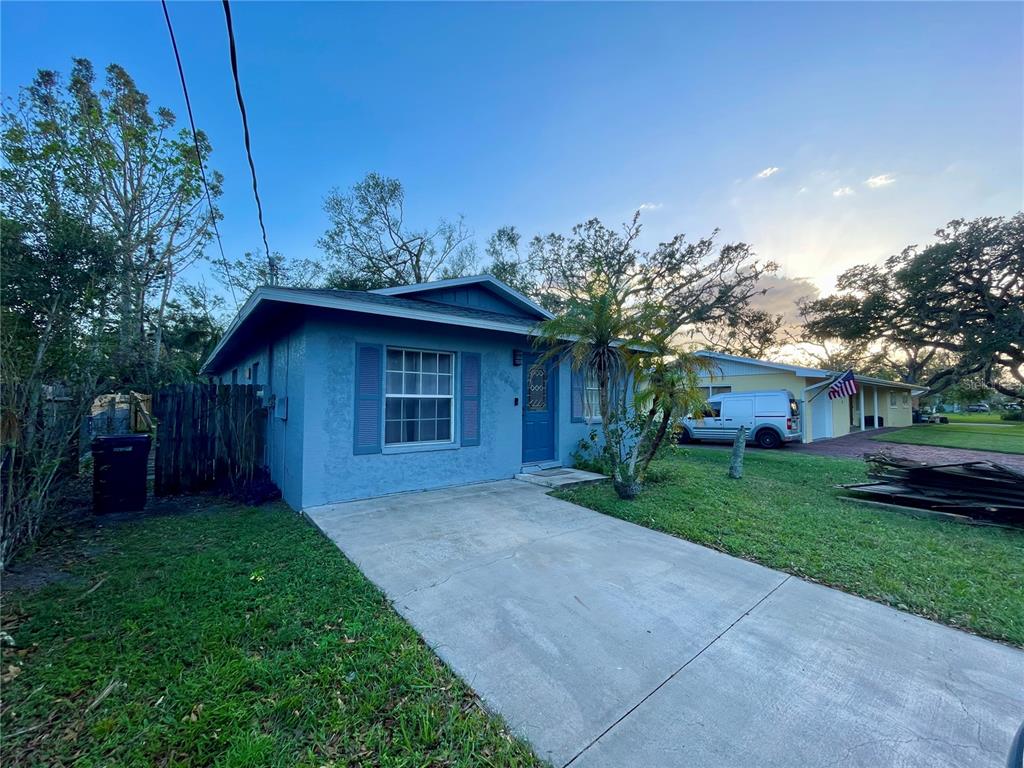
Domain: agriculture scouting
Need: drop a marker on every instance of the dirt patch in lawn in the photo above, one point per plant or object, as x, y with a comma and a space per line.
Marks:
76, 539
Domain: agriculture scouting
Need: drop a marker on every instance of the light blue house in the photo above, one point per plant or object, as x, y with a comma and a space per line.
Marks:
402, 389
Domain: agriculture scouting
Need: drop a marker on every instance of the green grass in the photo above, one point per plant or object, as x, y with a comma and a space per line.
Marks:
230, 637
1003, 437
995, 417
786, 514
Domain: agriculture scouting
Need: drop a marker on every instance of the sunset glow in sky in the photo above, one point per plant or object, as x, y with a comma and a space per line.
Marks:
825, 134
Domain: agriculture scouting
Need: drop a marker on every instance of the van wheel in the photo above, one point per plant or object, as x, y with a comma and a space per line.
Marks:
684, 438
768, 438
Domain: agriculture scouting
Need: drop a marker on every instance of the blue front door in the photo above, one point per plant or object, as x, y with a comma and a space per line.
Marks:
540, 408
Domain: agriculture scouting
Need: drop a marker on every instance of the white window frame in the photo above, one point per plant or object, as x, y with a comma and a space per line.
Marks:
450, 397
709, 390
591, 389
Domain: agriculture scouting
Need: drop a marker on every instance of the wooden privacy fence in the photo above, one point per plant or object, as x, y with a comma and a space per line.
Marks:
208, 436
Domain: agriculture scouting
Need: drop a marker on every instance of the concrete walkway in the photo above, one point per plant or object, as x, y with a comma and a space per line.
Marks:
607, 644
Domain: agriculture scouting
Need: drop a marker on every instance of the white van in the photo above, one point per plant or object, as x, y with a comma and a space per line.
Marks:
771, 418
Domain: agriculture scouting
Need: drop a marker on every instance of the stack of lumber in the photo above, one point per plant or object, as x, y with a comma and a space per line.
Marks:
977, 489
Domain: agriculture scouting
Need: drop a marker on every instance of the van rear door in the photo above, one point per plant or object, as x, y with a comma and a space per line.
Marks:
737, 412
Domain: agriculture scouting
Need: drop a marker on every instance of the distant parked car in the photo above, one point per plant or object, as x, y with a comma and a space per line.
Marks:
771, 418
977, 408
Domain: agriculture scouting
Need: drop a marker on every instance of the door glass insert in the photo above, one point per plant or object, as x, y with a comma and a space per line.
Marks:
537, 388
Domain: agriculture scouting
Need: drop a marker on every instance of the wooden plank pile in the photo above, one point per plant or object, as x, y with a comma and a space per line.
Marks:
981, 490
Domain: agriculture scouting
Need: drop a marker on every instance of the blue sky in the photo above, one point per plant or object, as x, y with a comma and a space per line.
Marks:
544, 115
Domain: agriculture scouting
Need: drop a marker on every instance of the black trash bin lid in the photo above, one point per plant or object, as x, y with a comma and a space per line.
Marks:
103, 442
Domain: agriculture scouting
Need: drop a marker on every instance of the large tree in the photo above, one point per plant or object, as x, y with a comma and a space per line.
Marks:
103, 157
51, 361
691, 284
244, 275
619, 308
751, 333
962, 296
374, 247
101, 207
507, 263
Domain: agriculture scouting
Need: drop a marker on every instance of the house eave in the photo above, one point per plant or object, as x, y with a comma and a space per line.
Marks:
287, 297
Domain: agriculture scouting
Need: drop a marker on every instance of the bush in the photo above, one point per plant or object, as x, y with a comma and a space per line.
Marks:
590, 456
256, 490
1012, 416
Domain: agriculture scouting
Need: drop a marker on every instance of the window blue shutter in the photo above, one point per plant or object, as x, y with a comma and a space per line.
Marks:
576, 388
369, 394
470, 393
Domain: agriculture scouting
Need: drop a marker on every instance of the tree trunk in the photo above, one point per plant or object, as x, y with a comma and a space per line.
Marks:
158, 334
659, 438
738, 447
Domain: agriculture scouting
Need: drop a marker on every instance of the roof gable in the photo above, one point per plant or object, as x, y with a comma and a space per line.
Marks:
748, 365
484, 292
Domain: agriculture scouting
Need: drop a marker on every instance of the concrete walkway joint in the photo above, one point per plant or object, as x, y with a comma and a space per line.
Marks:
577, 627
636, 706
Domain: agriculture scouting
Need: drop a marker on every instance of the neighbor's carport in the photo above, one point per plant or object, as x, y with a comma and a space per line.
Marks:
607, 644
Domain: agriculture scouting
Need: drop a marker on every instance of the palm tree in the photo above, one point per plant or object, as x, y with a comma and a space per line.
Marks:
673, 389
623, 342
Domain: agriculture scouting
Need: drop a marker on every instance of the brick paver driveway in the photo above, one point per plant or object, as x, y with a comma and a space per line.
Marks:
854, 446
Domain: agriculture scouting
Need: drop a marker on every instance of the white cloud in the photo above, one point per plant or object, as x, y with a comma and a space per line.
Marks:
782, 296
881, 180
651, 206
842, 192
771, 170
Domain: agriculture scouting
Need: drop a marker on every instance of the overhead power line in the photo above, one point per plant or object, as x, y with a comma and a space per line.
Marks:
248, 145
195, 141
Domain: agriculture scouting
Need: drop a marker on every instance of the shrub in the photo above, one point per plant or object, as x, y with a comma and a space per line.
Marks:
591, 456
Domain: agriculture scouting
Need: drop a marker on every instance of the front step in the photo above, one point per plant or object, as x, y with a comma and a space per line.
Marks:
539, 466
560, 477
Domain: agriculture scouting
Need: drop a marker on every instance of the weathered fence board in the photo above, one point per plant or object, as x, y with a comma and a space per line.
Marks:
207, 436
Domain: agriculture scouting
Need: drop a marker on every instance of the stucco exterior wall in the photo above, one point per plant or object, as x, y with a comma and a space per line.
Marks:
900, 414
332, 472
759, 381
281, 372
840, 416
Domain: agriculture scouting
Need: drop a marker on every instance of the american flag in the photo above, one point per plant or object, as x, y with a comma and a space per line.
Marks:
844, 386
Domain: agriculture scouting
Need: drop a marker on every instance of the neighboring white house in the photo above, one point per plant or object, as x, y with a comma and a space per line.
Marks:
878, 402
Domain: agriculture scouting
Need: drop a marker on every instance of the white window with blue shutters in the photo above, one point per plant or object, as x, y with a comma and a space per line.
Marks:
415, 397
418, 395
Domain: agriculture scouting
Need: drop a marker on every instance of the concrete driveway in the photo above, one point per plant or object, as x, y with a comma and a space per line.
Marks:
603, 643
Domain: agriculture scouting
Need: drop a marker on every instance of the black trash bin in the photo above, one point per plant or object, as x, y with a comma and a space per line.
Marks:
119, 468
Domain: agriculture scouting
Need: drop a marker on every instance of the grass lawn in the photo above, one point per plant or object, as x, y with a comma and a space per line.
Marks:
1004, 437
785, 514
229, 637
975, 418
